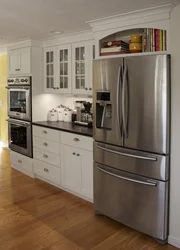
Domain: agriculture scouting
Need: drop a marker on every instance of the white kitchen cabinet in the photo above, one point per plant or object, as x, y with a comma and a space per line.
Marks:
50, 70
20, 61
77, 170
70, 168
82, 56
57, 68
86, 173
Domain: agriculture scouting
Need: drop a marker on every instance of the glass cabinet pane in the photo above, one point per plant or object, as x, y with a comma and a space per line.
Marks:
80, 65
82, 53
65, 55
50, 69
63, 80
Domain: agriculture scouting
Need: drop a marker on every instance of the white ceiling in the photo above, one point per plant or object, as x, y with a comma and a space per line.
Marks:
36, 18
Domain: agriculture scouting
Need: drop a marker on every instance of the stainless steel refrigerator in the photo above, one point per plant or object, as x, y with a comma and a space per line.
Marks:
131, 108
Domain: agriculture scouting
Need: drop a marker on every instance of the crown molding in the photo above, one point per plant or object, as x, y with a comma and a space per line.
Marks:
80, 36
27, 42
145, 15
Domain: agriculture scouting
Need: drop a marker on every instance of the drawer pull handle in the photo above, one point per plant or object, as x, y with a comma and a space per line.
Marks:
74, 153
19, 161
45, 132
78, 154
46, 170
45, 156
45, 144
76, 139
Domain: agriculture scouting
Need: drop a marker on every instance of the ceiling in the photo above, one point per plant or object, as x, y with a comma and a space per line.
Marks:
20, 19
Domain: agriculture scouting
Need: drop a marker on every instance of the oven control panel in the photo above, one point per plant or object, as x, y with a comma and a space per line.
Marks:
26, 80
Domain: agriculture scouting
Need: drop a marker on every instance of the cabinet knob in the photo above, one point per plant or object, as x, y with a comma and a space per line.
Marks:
74, 153
45, 144
90, 88
45, 156
78, 154
19, 161
86, 88
44, 132
57, 88
16, 69
46, 170
76, 139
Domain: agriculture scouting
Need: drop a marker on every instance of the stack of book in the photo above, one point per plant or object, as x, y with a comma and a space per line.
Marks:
153, 40
114, 48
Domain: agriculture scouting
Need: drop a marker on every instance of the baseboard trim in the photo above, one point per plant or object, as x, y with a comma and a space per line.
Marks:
174, 241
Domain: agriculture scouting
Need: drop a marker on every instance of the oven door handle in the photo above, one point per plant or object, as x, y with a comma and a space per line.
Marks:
25, 124
20, 88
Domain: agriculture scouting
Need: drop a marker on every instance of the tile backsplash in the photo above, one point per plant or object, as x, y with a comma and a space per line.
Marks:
41, 104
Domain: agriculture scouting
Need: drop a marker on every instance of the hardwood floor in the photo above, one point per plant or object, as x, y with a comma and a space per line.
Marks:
35, 215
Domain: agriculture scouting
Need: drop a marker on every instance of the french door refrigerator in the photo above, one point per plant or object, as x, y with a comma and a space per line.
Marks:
131, 108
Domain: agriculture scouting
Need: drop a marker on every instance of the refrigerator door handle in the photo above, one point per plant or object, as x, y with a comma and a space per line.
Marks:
118, 100
125, 102
148, 183
128, 155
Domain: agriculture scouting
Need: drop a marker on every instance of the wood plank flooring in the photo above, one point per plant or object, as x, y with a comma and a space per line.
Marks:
35, 215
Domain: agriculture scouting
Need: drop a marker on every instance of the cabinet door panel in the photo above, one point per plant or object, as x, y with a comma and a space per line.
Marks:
87, 173
13, 62
80, 68
71, 168
64, 69
50, 70
25, 60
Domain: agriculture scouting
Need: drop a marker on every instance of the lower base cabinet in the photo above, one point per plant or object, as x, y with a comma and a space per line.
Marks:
77, 170
47, 171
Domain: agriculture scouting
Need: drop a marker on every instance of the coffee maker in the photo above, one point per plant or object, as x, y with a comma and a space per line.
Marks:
84, 113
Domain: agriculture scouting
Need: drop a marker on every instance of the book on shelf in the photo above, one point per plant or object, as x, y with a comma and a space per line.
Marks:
115, 43
113, 53
154, 40
113, 49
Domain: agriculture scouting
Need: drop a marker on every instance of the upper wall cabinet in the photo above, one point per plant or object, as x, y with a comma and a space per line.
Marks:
20, 61
57, 68
82, 56
25, 59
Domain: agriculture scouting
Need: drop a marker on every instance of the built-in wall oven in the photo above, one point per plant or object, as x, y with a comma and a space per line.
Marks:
20, 115
19, 98
20, 136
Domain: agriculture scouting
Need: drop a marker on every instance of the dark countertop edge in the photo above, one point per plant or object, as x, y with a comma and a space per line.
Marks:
62, 129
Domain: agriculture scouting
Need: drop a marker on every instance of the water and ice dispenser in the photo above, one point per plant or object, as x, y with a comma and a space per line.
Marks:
103, 110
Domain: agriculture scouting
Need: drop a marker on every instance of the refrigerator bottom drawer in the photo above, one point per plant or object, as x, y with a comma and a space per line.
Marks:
138, 202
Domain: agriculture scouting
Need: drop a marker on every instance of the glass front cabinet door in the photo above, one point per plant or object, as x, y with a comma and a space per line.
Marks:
81, 62
64, 69
49, 69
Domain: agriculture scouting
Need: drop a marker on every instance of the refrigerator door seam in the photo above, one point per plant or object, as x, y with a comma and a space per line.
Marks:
148, 183
128, 155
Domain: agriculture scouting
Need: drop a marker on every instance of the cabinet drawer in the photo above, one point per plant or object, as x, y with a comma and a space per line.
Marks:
47, 171
47, 157
21, 161
78, 141
46, 145
46, 133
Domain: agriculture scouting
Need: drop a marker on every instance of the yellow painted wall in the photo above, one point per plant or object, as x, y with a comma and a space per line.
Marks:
3, 98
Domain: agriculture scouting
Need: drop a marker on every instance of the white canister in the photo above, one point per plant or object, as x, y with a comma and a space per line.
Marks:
52, 115
68, 116
60, 113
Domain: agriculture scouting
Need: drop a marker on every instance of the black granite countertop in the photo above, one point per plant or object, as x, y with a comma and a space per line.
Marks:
66, 127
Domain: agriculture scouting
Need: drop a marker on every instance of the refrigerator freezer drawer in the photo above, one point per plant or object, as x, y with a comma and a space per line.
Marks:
135, 201
142, 163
